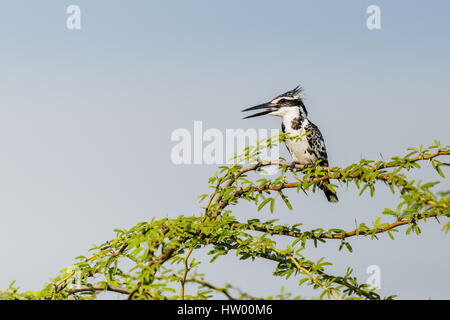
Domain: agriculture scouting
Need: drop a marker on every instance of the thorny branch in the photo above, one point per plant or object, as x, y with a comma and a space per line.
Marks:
170, 237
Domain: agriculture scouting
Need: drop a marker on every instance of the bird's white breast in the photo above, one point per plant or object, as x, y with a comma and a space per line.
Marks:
298, 148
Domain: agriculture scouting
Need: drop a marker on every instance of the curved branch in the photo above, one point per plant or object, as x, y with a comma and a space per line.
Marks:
348, 234
95, 288
338, 280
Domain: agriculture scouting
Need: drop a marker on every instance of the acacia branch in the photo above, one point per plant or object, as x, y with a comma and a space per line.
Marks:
276, 258
348, 234
95, 288
169, 250
337, 175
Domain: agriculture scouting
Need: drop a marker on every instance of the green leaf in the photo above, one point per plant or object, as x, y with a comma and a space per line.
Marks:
262, 204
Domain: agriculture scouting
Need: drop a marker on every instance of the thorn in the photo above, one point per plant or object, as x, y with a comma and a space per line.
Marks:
382, 158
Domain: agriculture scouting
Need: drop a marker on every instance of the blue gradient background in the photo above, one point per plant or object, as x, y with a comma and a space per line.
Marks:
86, 118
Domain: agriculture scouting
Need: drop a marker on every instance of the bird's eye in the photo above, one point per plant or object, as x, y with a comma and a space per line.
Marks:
283, 100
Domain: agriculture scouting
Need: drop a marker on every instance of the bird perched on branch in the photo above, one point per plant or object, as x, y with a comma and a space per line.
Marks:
310, 148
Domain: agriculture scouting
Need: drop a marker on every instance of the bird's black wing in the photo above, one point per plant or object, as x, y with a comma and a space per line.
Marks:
316, 143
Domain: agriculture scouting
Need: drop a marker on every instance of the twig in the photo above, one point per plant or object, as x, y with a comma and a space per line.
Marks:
186, 270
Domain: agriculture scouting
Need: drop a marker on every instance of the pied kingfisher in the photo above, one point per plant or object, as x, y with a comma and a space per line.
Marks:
310, 148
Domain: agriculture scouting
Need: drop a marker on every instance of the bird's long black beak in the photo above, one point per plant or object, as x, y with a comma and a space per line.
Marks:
268, 106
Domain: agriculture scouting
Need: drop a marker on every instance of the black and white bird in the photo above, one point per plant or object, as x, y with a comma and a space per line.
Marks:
311, 147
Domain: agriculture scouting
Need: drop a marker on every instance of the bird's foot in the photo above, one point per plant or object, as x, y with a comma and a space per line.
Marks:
293, 163
308, 166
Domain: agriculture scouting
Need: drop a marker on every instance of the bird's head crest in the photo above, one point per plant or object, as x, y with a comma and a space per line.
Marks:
294, 93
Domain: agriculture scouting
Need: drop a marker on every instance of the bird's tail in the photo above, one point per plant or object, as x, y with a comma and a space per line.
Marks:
331, 196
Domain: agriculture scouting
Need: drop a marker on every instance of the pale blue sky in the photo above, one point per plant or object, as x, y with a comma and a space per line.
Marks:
86, 118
